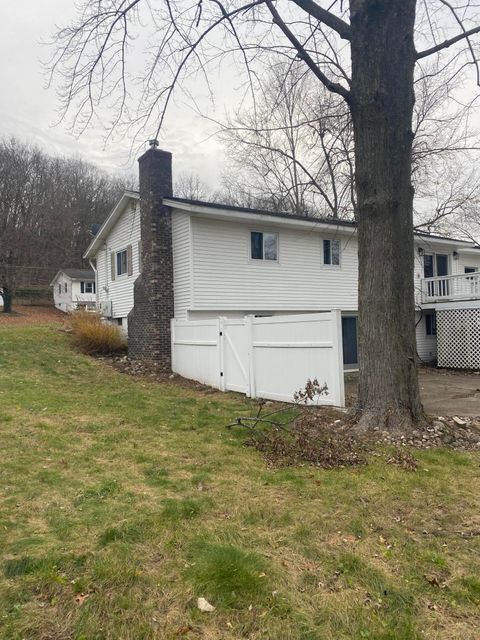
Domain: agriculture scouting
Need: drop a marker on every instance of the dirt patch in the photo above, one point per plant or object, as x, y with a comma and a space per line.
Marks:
153, 372
30, 315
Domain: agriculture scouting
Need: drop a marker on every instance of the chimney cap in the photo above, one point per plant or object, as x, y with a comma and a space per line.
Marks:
153, 143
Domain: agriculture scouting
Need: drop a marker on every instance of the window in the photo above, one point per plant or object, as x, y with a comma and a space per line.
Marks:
59, 288
65, 287
121, 262
431, 323
263, 246
427, 266
470, 269
435, 265
87, 287
331, 252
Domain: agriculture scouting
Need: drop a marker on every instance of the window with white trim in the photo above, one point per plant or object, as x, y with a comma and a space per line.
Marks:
263, 246
121, 262
331, 252
65, 287
87, 287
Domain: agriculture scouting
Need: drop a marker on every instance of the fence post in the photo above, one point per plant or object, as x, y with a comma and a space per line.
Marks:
338, 355
221, 350
251, 390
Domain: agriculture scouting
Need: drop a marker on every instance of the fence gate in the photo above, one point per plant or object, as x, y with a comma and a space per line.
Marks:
263, 357
235, 350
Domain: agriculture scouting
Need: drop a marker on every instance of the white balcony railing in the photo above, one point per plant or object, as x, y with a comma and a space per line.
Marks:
446, 288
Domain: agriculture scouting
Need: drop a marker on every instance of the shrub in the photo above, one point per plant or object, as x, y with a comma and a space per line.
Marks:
95, 336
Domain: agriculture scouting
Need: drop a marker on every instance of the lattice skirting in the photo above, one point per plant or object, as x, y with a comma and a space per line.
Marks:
458, 338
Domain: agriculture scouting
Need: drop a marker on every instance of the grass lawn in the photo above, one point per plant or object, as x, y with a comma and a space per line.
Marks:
123, 500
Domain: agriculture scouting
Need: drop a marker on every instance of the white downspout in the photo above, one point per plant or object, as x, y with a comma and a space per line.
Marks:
96, 281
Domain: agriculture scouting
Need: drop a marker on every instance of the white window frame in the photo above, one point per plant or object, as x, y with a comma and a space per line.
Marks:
124, 274
434, 255
89, 283
332, 266
263, 260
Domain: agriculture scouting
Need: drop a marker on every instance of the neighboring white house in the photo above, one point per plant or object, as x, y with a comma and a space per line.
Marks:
74, 289
233, 262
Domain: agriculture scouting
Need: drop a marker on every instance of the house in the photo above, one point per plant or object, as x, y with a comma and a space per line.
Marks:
205, 260
159, 258
74, 289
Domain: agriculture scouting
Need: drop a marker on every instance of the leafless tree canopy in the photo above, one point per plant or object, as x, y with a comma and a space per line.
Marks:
182, 40
292, 132
47, 206
295, 150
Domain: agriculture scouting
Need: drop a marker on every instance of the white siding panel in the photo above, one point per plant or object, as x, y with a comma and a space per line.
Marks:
426, 345
62, 300
119, 291
466, 260
181, 242
224, 276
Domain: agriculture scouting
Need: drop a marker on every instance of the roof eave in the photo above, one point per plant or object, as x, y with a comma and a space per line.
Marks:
108, 225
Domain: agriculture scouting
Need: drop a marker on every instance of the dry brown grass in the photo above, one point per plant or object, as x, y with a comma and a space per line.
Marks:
94, 336
30, 315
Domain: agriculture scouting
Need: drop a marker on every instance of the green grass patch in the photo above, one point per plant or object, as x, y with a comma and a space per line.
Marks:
124, 500
227, 575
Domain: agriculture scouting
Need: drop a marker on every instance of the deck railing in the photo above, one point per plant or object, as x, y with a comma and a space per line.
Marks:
446, 288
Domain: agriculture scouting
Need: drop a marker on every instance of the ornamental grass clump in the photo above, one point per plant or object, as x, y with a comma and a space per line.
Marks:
94, 336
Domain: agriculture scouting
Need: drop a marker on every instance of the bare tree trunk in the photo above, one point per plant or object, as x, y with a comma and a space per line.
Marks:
7, 300
382, 100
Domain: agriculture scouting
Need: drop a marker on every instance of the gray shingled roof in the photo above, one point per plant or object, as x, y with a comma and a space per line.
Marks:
79, 274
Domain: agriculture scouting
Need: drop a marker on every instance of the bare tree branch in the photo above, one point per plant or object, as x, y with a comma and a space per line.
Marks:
328, 18
303, 55
447, 43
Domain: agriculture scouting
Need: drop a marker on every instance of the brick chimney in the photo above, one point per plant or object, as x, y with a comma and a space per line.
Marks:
149, 320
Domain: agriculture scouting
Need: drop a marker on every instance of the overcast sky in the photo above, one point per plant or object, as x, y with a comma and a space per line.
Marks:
29, 111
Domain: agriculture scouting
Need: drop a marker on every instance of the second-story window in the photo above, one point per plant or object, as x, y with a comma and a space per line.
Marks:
331, 252
65, 287
121, 262
263, 246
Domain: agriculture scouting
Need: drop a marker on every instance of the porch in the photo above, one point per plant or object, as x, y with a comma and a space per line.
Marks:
451, 288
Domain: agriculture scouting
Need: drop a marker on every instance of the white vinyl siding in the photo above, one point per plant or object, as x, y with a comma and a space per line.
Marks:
466, 260
181, 243
426, 345
224, 277
120, 290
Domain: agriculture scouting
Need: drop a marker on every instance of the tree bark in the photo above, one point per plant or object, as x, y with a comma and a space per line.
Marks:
382, 100
7, 300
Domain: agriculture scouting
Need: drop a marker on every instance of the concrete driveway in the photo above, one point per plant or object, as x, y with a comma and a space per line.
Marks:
444, 393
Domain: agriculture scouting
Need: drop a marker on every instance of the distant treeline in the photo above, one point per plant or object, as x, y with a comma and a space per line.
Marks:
47, 206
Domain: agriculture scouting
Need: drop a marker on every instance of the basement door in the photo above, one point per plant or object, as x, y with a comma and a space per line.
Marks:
349, 339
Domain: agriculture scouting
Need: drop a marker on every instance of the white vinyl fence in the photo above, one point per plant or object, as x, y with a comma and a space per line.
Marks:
263, 357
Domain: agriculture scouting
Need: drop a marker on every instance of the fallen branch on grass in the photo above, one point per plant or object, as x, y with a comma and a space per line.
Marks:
301, 399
